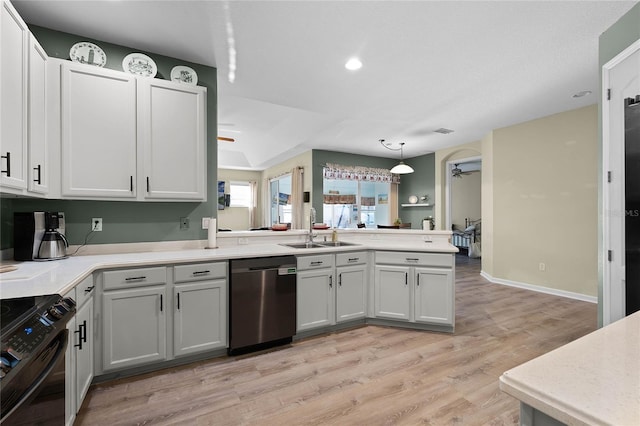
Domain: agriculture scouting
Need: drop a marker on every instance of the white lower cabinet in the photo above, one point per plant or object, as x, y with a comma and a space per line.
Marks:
200, 313
415, 287
134, 327
149, 318
315, 292
434, 296
79, 354
352, 273
392, 292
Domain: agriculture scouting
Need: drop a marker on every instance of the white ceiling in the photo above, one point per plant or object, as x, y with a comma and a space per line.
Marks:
470, 66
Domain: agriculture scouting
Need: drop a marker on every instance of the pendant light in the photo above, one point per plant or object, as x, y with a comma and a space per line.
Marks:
401, 168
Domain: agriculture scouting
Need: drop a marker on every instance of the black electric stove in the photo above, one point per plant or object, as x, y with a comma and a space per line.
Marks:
33, 340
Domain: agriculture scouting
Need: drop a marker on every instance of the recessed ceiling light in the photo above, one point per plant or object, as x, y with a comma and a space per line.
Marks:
353, 64
583, 93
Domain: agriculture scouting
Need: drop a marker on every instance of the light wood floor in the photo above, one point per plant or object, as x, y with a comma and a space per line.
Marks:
365, 376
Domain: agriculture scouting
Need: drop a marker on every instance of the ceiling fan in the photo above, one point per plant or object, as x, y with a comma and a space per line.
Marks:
457, 172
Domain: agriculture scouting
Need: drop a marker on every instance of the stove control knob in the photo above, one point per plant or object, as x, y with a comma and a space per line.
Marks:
57, 311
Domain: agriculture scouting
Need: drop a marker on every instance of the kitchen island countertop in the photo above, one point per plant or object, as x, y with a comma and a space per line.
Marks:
594, 380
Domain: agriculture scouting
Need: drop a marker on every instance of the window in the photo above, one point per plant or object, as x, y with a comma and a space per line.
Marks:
240, 194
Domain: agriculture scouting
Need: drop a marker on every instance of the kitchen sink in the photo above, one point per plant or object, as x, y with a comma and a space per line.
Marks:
319, 244
336, 244
304, 245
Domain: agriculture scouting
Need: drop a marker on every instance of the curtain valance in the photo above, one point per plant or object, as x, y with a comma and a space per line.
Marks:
369, 174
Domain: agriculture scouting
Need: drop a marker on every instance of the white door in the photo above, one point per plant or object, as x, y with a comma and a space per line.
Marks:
13, 97
38, 168
315, 306
392, 297
434, 296
173, 130
99, 132
134, 327
83, 345
200, 317
621, 80
350, 295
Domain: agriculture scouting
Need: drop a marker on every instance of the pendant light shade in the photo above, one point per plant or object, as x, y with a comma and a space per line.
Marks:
401, 168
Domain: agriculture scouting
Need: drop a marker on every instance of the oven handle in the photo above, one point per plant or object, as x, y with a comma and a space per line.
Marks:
62, 339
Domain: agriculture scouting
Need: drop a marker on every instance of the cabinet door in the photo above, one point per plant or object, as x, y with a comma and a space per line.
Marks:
83, 345
434, 292
350, 294
392, 297
173, 130
315, 306
38, 170
200, 316
134, 327
14, 36
99, 133
70, 409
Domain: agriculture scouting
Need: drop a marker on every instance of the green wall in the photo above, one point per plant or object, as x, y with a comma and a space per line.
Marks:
613, 41
126, 221
421, 182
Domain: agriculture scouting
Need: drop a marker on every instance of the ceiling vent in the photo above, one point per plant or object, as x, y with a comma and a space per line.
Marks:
443, 131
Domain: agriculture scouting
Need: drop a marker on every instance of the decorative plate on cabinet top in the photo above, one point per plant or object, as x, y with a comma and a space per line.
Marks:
88, 53
139, 64
183, 74
413, 199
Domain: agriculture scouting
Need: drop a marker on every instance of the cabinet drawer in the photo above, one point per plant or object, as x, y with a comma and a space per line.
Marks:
199, 271
414, 258
84, 291
352, 258
315, 262
134, 277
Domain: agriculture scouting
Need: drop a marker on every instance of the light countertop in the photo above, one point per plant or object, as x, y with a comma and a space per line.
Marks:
594, 380
60, 276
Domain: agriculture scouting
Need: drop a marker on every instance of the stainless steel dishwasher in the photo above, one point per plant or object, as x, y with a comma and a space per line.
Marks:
262, 303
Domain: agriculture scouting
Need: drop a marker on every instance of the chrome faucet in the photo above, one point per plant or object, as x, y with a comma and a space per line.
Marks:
312, 220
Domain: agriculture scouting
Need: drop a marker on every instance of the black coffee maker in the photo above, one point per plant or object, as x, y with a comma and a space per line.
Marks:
39, 236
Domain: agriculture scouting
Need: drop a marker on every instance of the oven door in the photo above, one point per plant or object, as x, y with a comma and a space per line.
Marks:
37, 397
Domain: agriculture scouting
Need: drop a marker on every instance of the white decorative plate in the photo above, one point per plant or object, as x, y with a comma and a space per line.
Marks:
183, 74
88, 53
139, 64
413, 199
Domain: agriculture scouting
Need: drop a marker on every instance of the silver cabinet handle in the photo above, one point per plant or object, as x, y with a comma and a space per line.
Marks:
330, 281
354, 259
89, 289
201, 272
317, 262
411, 259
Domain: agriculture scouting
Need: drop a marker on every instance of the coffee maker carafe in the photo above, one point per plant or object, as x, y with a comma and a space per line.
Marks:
39, 236
54, 244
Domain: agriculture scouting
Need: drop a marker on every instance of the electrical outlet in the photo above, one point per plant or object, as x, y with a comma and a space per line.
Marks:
184, 223
542, 267
96, 224
205, 222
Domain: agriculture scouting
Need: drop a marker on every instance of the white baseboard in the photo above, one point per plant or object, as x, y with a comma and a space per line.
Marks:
540, 289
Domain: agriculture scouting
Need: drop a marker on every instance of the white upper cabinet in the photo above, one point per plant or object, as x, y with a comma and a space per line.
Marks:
38, 180
99, 133
173, 131
14, 36
127, 137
